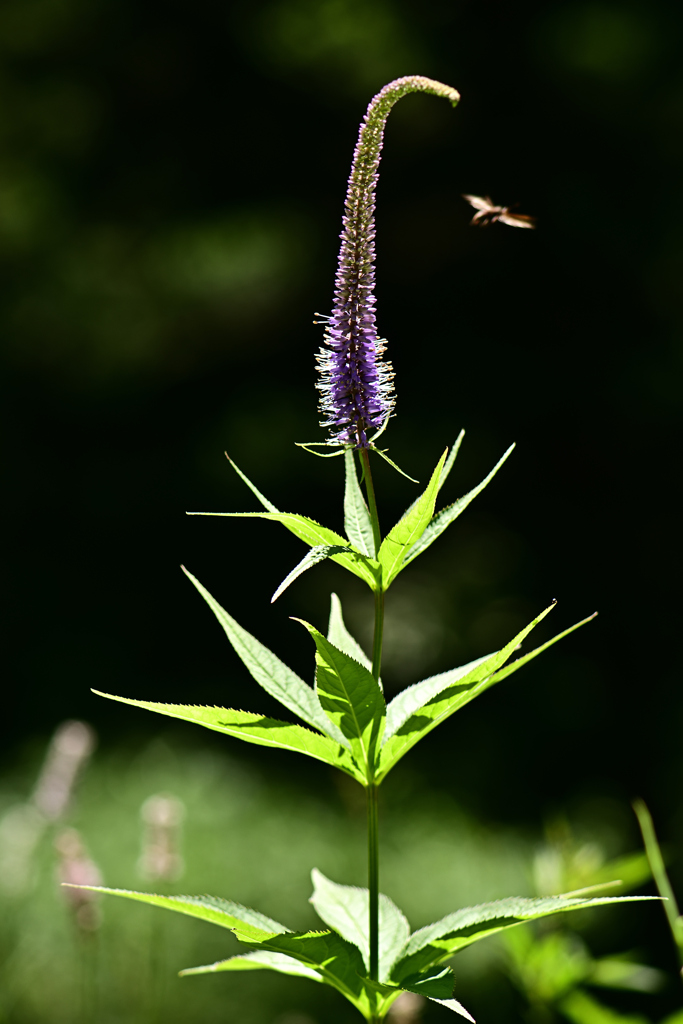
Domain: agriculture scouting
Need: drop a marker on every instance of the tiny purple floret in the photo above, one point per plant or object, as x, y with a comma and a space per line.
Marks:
356, 383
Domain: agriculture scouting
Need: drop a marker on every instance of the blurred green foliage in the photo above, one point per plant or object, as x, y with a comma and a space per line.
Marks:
251, 837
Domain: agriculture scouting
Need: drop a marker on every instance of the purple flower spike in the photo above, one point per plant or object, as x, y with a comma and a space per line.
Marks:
355, 382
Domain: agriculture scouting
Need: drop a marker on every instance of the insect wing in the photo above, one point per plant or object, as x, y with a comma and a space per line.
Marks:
517, 220
479, 202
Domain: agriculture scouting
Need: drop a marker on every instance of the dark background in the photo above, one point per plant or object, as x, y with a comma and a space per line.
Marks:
171, 185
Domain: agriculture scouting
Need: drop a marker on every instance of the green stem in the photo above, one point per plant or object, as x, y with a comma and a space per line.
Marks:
373, 880
661, 879
372, 789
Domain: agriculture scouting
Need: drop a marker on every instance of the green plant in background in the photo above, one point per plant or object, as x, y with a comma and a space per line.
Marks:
656, 862
552, 965
366, 951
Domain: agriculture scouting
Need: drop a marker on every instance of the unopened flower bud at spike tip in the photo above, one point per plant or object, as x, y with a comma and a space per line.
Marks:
356, 383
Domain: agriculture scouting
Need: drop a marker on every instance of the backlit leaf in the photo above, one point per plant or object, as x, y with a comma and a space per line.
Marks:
449, 514
448, 701
410, 700
357, 522
268, 505
346, 909
248, 925
410, 527
312, 557
437, 942
338, 634
269, 672
448, 465
339, 962
349, 694
258, 960
314, 534
265, 732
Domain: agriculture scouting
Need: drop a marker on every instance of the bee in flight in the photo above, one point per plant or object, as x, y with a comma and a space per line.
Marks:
487, 213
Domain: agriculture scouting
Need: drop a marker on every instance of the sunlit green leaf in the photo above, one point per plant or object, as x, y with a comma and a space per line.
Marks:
339, 962
383, 455
449, 514
581, 1008
436, 983
346, 908
269, 672
448, 466
409, 528
357, 522
455, 1006
518, 663
448, 701
248, 925
268, 505
258, 960
437, 942
338, 634
351, 697
410, 700
450, 461
312, 557
265, 732
314, 534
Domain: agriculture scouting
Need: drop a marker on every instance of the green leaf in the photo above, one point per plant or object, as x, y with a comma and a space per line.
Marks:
661, 879
622, 973
312, 557
346, 908
314, 534
248, 925
265, 732
383, 455
349, 694
581, 1008
269, 672
339, 962
446, 703
357, 522
437, 984
258, 960
414, 697
519, 662
268, 505
449, 514
448, 466
455, 1006
439, 941
338, 634
409, 528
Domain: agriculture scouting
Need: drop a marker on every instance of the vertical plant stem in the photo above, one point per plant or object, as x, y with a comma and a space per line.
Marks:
373, 880
373, 835
661, 879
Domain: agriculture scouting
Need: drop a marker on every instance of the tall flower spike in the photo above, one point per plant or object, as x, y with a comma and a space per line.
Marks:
355, 383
